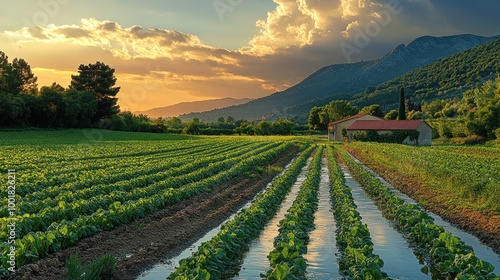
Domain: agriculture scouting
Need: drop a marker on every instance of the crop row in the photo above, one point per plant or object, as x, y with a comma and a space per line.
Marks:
471, 177
213, 257
35, 156
286, 259
94, 189
125, 191
32, 185
65, 233
73, 170
447, 253
353, 237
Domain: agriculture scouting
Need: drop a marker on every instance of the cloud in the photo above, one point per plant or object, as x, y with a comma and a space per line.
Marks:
293, 40
37, 32
73, 32
309, 22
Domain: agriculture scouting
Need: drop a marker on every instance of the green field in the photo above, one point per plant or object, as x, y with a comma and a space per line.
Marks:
73, 184
69, 186
471, 174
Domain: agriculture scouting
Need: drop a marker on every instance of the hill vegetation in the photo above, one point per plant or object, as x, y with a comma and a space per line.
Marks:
448, 78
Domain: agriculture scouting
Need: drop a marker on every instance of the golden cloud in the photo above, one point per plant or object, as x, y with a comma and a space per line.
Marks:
308, 22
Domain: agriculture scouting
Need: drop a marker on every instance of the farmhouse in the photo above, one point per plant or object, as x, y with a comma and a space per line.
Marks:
335, 128
388, 127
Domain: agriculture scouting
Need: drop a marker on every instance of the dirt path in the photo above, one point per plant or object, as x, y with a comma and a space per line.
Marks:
162, 234
485, 226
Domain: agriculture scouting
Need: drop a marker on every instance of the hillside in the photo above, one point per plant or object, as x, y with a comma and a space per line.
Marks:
195, 106
446, 78
341, 81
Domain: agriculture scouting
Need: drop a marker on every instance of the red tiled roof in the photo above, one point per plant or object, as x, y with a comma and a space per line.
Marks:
346, 119
385, 125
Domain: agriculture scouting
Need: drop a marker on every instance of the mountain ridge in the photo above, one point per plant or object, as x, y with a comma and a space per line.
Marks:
181, 108
345, 80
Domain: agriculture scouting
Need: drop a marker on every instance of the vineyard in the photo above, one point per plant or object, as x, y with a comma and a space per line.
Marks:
77, 197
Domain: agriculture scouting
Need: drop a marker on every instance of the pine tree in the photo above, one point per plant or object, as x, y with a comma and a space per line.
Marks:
99, 79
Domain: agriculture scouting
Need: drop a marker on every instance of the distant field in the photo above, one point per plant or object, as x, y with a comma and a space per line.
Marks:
471, 174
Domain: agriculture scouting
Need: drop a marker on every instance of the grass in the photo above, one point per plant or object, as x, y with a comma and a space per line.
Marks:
101, 268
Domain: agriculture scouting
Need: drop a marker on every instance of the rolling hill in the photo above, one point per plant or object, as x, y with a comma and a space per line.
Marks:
342, 81
447, 78
195, 106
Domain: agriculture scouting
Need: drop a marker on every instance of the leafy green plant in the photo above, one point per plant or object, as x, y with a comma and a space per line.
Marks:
286, 258
79, 210
353, 237
213, 257
448, 254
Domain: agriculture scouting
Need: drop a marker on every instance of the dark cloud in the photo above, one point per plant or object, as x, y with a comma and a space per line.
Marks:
74, 32
37, 32
480, 17
110, 26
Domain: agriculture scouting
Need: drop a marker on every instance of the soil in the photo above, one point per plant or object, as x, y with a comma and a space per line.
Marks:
161, 235
483, 225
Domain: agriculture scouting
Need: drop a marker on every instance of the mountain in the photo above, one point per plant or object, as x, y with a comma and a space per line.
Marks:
342, 81
190, 107
445, 79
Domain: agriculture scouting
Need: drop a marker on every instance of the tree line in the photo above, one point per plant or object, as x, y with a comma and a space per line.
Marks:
90, 101
90, 97
127, 121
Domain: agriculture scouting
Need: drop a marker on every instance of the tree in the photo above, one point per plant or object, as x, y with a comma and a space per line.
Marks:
99, 79
16, 77
174, 123
80, 107
340, 109
314, 120
55, 86
24, 77
392, 115
373, 110
402, 107
282, 127
263, 128
8, 82
192, 128
52, 107
12, 110
159, 125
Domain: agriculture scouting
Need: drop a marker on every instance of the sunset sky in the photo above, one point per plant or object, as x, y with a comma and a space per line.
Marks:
171, 51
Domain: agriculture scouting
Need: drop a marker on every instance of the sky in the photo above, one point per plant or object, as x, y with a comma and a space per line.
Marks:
170, 51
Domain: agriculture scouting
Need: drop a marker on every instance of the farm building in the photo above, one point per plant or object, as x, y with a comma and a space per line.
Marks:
335, 128
387, 127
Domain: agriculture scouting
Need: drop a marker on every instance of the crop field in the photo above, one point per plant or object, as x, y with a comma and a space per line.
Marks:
146, 198
460, 183
470, 173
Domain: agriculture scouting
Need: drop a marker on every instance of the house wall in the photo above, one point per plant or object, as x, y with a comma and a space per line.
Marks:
335, 133
424, 139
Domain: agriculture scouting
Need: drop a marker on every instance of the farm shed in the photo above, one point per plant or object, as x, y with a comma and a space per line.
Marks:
335, 128
387, 126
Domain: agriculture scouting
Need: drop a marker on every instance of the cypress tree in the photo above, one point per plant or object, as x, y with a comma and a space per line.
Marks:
402, 107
